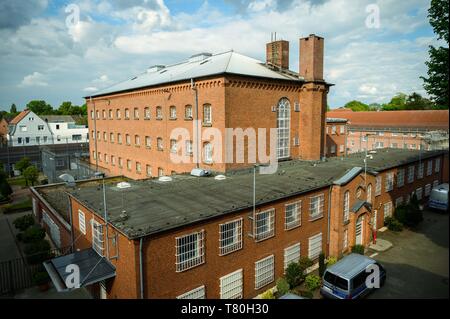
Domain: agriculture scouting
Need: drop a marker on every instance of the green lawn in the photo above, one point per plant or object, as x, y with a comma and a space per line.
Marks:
22, 206
18, 181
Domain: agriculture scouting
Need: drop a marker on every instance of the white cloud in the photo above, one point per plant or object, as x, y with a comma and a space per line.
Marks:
34, 79
368, 89
90, 89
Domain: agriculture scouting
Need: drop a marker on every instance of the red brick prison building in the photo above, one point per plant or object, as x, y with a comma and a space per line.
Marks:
131, 123
204, 237
336, 137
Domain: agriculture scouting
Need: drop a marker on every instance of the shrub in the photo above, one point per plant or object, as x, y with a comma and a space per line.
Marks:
40, 278
321, 264
312, 282
22, 223
305, 263
393, 224
33, 234
331, 261
282, 286
38, 252
268, 294
358, 249
409, 215
294, 275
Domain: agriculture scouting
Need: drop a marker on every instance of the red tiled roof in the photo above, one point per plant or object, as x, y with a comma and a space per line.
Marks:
426, 119
19, 117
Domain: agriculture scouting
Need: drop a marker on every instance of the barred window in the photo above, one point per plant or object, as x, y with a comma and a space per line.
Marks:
427, 189
128, 139
190, 251
437, 165
420, 171
127, 114
82, 222
159, 114
138, 167
293, 215
188, 112
389, 183
148, 142
230, 237
264, 272
173, 146
119, 138
148, 169
197, 293
411, 174
264, 224
400, 177
435, 183
419, 192
316, 206
369, 193
147, 113
159, 143
120, 162
137, 140
136, 113
378, 185
97, 237
189, 148
173, 112
346, 206
399, 201
315, 246
207, 116
345, 243
231, 285
118, 114
291, 255
387, 209
430, 168
111, 137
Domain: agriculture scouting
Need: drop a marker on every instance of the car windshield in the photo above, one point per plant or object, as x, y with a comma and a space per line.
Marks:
440, 196
336, 280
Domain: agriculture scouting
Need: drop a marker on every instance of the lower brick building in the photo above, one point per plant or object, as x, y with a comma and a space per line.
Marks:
205, 237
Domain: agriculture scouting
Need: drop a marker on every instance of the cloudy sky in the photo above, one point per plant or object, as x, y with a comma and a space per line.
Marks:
48, 53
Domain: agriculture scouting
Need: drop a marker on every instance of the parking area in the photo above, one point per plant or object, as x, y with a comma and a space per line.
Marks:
418, 263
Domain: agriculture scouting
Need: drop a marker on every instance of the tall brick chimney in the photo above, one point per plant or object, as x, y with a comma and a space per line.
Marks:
277, 54
311, 58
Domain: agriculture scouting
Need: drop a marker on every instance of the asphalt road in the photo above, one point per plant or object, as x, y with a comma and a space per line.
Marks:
418, 263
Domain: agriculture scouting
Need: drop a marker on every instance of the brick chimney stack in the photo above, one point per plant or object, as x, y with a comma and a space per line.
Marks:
277, 53
311, 58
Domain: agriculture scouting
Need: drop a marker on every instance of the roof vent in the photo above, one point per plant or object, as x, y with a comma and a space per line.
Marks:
123, 215
165, 179
155, 68
200, 172
200, 57
123, 185
220, 177
372, 152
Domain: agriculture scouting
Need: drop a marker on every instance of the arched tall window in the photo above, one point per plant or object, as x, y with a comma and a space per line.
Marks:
369, 193
283, 128
346, 205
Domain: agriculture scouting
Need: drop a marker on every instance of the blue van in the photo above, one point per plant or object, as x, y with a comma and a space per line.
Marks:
346, 279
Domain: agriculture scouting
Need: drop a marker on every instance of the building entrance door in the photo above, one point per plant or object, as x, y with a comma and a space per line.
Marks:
359, 230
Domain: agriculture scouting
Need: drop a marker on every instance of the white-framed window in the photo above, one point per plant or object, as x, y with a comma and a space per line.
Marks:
345, 240
97, 237
148, 170
420, 170
341, 148
264, 271
314, 246
197, 293
231, 285
127, 114
118, 114
316, 206
291, 255
400, 177
173, 112
407, 198
208, 153
346, 206
137, 140
92, 115
332, 149
82, 222
333, 129
427, 189
113, 160
173, 146
342, 129
136, 113
398, 201
207, 114
435, 183
104, 114
138, 167
411, 174
378, 181
369, 193
437, 165
160, 171
148, 142
283, 128
147, 113
264, 224
110, 114
189, 150
419, 193
190, 250
128, 139
120, 162
389, 183
159, 114
292, 215
129, 165
188, 112
387, 209
430, 168
111, 137
159, 143
230, 237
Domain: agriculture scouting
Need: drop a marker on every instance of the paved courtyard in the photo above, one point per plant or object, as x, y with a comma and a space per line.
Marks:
418, 263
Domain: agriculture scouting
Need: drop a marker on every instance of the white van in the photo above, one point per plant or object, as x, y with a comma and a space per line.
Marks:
439, 197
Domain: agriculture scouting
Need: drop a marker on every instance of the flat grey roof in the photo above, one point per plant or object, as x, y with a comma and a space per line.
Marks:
153, 206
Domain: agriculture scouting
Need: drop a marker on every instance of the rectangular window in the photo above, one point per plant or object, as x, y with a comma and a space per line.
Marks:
119, 138
230, 237
189, 148
430, 168
120, 162
399, 201
437, 165
97, 237
128, 139
190, 251
411, 174
427, 189
264, 272
341, 148
345, 243
420, 171
173, 112
148, 142
435, 183
419, 192
207, 116
137, 140
82, 222
159, 114
292, 215
129, 165
127, 114
264, 224
147, 113
111, 137
389, 183
159, 143
333, 149
173, 146
208, 153
316, 207
378, 181
387, 209
314, 246
136, 113
333, 129
113, 160
188, 112
400, 177
148, 169
197, 293
231, 285
291, 255
138, 167
342, 129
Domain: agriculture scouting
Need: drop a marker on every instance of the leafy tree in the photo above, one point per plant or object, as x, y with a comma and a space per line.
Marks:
31, 174
397, 103
436, 84
13, 109
357, 106
5, 188
23, 164
40, 107
416, 102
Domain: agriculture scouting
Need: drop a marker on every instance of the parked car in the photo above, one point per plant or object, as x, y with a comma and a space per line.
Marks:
346, 279
439, 197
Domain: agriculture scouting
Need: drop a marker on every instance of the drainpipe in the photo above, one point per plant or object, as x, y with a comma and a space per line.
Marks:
95, 134
71, 225
197, 144
141, 275
329, 217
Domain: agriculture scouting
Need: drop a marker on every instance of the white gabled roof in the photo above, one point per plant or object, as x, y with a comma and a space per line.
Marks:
200, 66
